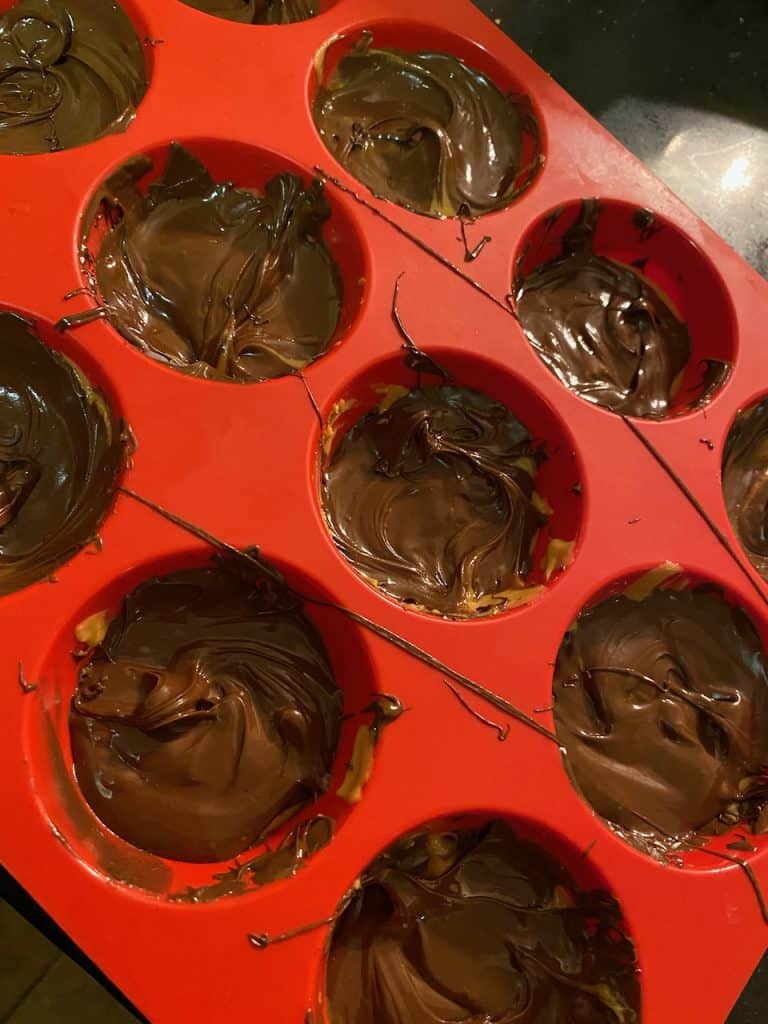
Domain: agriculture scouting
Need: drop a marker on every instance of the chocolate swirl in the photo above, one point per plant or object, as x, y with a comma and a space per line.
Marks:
477, 926
662, 708
258, 12
745, 483
60, 454
601, 328
214, 280
70, 72
208, 714
432, 500
424, 130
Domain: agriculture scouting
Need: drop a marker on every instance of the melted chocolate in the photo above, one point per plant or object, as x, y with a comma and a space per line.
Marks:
745, 483
60, 454
215, 280
661, 706
70, 72
478, 925
258, 12
207, 715
432, 500
601, 328
424, 130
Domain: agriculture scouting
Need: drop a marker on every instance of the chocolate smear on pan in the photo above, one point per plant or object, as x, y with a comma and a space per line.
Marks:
258, 12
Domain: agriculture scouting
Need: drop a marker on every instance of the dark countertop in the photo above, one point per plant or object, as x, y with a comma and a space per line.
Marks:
684, 85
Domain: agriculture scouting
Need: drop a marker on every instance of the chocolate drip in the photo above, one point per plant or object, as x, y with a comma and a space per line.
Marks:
661, 706
70, 72
60, 454
424, 130
258, 12
478, 925
601, 328
432, 500
217, 281
745, 483
207, 715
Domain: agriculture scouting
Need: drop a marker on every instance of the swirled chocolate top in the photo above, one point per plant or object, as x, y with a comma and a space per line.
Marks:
601, 328
207, 715
478, 925
432, 499
661, 706
60, 454
258, 12
215, 280
70, 72
424, 130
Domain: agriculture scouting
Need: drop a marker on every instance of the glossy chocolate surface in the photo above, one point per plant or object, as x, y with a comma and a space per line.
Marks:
432, 499
60, 454
601, 328
207, 715
70, 72
745, 483
258, 12
215, 280
661, 706
478, 926
424, 130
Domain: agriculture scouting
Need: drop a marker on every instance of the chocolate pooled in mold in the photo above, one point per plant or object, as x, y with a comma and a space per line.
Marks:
745, 483
258, 12
433, 500
425, 131
661, 706
475, 926
207, 715
60, 455
70, 72
215, 280
602, 329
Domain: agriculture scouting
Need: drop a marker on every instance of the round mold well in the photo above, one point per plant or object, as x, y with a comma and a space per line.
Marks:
48, 747
323, 7
560, 473
580, 871
713, 853
98, 378
248, 168
744, 476
663, 255
415, 37
136, 15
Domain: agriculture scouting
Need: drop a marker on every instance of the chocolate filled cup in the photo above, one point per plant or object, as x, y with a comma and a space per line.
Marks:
61, 452
207, 715
478, 925
71, 71
661, 706
433, 500
425, 130
216, 281
745, 483
258, 12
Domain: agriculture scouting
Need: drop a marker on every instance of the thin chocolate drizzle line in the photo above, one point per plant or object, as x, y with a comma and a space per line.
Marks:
746, 867
589, 848
381, 631
23, 684
470, 255
85, 316
264, 939
722, 539
419, 360
312, 400
501, 731
416, 241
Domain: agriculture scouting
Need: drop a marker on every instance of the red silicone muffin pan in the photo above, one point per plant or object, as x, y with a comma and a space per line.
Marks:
241, 463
